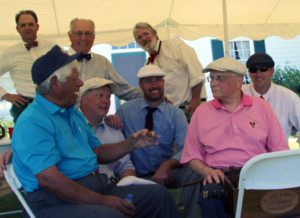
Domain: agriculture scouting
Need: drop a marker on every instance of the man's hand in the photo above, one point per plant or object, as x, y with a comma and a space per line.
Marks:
214, 175
163, 175
143, 138
113, 121
5, 158
16, 99
121, 205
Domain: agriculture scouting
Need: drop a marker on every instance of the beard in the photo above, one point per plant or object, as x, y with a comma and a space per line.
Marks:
154, 97
149, 46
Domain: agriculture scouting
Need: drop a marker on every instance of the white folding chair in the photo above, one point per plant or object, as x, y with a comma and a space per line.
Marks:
15, 185
271, 171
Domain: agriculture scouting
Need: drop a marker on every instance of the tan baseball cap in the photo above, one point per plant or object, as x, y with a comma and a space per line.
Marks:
150, 70
95, 83
226, 64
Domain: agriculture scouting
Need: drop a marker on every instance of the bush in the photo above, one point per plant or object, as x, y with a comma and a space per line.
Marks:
6, 124
288, 77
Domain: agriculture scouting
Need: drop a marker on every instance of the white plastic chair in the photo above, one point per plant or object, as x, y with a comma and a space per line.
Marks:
270, 171
15, 185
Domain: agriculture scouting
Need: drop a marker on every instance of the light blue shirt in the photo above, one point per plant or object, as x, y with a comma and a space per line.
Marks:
47, 135
168, 121
108, 134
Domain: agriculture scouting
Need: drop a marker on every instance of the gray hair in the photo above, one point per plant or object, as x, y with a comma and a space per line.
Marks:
143, 25
73, 21
61, 74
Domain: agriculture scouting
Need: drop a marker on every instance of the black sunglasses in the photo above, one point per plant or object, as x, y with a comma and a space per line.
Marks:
255, 69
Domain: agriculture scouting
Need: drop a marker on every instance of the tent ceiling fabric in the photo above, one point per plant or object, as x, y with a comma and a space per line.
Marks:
190, 19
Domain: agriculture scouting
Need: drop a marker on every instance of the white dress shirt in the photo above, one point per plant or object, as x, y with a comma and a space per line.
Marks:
107, 134
285, 104
99, 66
17, 60
182, 67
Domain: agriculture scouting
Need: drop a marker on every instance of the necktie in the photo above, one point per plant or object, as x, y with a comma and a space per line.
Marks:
262, 97
151, 58
81, 57
149, 118
28, 46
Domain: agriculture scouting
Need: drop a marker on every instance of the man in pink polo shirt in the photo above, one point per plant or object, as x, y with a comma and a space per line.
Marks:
228, 131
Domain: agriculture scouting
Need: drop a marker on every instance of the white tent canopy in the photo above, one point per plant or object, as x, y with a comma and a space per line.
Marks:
190, 19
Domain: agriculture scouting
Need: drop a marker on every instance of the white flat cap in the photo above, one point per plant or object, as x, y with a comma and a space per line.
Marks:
95, 83
150, 70
226, 64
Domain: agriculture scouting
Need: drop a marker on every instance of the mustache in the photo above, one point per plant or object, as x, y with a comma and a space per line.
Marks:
147, 42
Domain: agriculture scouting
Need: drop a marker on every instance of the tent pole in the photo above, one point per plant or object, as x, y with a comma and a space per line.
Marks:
225, 26
55, 16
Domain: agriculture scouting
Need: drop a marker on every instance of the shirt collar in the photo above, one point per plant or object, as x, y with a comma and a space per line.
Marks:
246, 101
145, 104
157, 47
71, 51
51, 107
266, 95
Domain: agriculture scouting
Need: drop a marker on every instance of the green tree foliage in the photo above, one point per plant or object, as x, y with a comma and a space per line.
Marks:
288, 77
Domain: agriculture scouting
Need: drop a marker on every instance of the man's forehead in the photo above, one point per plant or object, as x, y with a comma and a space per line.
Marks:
26, 18
83, 25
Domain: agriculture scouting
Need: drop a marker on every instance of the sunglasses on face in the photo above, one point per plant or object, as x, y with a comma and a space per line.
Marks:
260, 69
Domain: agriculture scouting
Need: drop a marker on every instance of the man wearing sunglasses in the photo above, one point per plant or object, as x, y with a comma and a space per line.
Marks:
284, 102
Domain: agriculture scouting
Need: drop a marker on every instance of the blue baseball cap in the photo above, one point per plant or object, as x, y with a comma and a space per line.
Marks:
47, 64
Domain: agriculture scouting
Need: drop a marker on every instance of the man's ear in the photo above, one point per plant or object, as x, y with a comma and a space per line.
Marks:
272, 70
140, 83
54, 83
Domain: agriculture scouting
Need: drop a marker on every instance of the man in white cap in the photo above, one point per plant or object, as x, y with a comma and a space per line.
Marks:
56, 155
160, 163
94, 104
228, 131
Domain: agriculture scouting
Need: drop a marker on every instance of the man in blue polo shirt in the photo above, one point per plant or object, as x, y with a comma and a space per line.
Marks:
56, 155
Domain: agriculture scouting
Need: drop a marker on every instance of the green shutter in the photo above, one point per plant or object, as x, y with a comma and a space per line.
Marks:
217, 49
259, 46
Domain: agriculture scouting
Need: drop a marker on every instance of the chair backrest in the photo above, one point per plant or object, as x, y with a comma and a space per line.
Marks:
273, 178
15, 185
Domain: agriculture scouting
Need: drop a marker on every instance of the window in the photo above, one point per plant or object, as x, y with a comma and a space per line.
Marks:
240, 50
130, 45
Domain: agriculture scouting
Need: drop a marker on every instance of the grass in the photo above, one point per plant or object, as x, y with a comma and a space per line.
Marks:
293, 144
9, 202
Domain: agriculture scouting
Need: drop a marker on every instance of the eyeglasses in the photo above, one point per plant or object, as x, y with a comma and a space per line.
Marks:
219, 78
256, 69
81, 33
